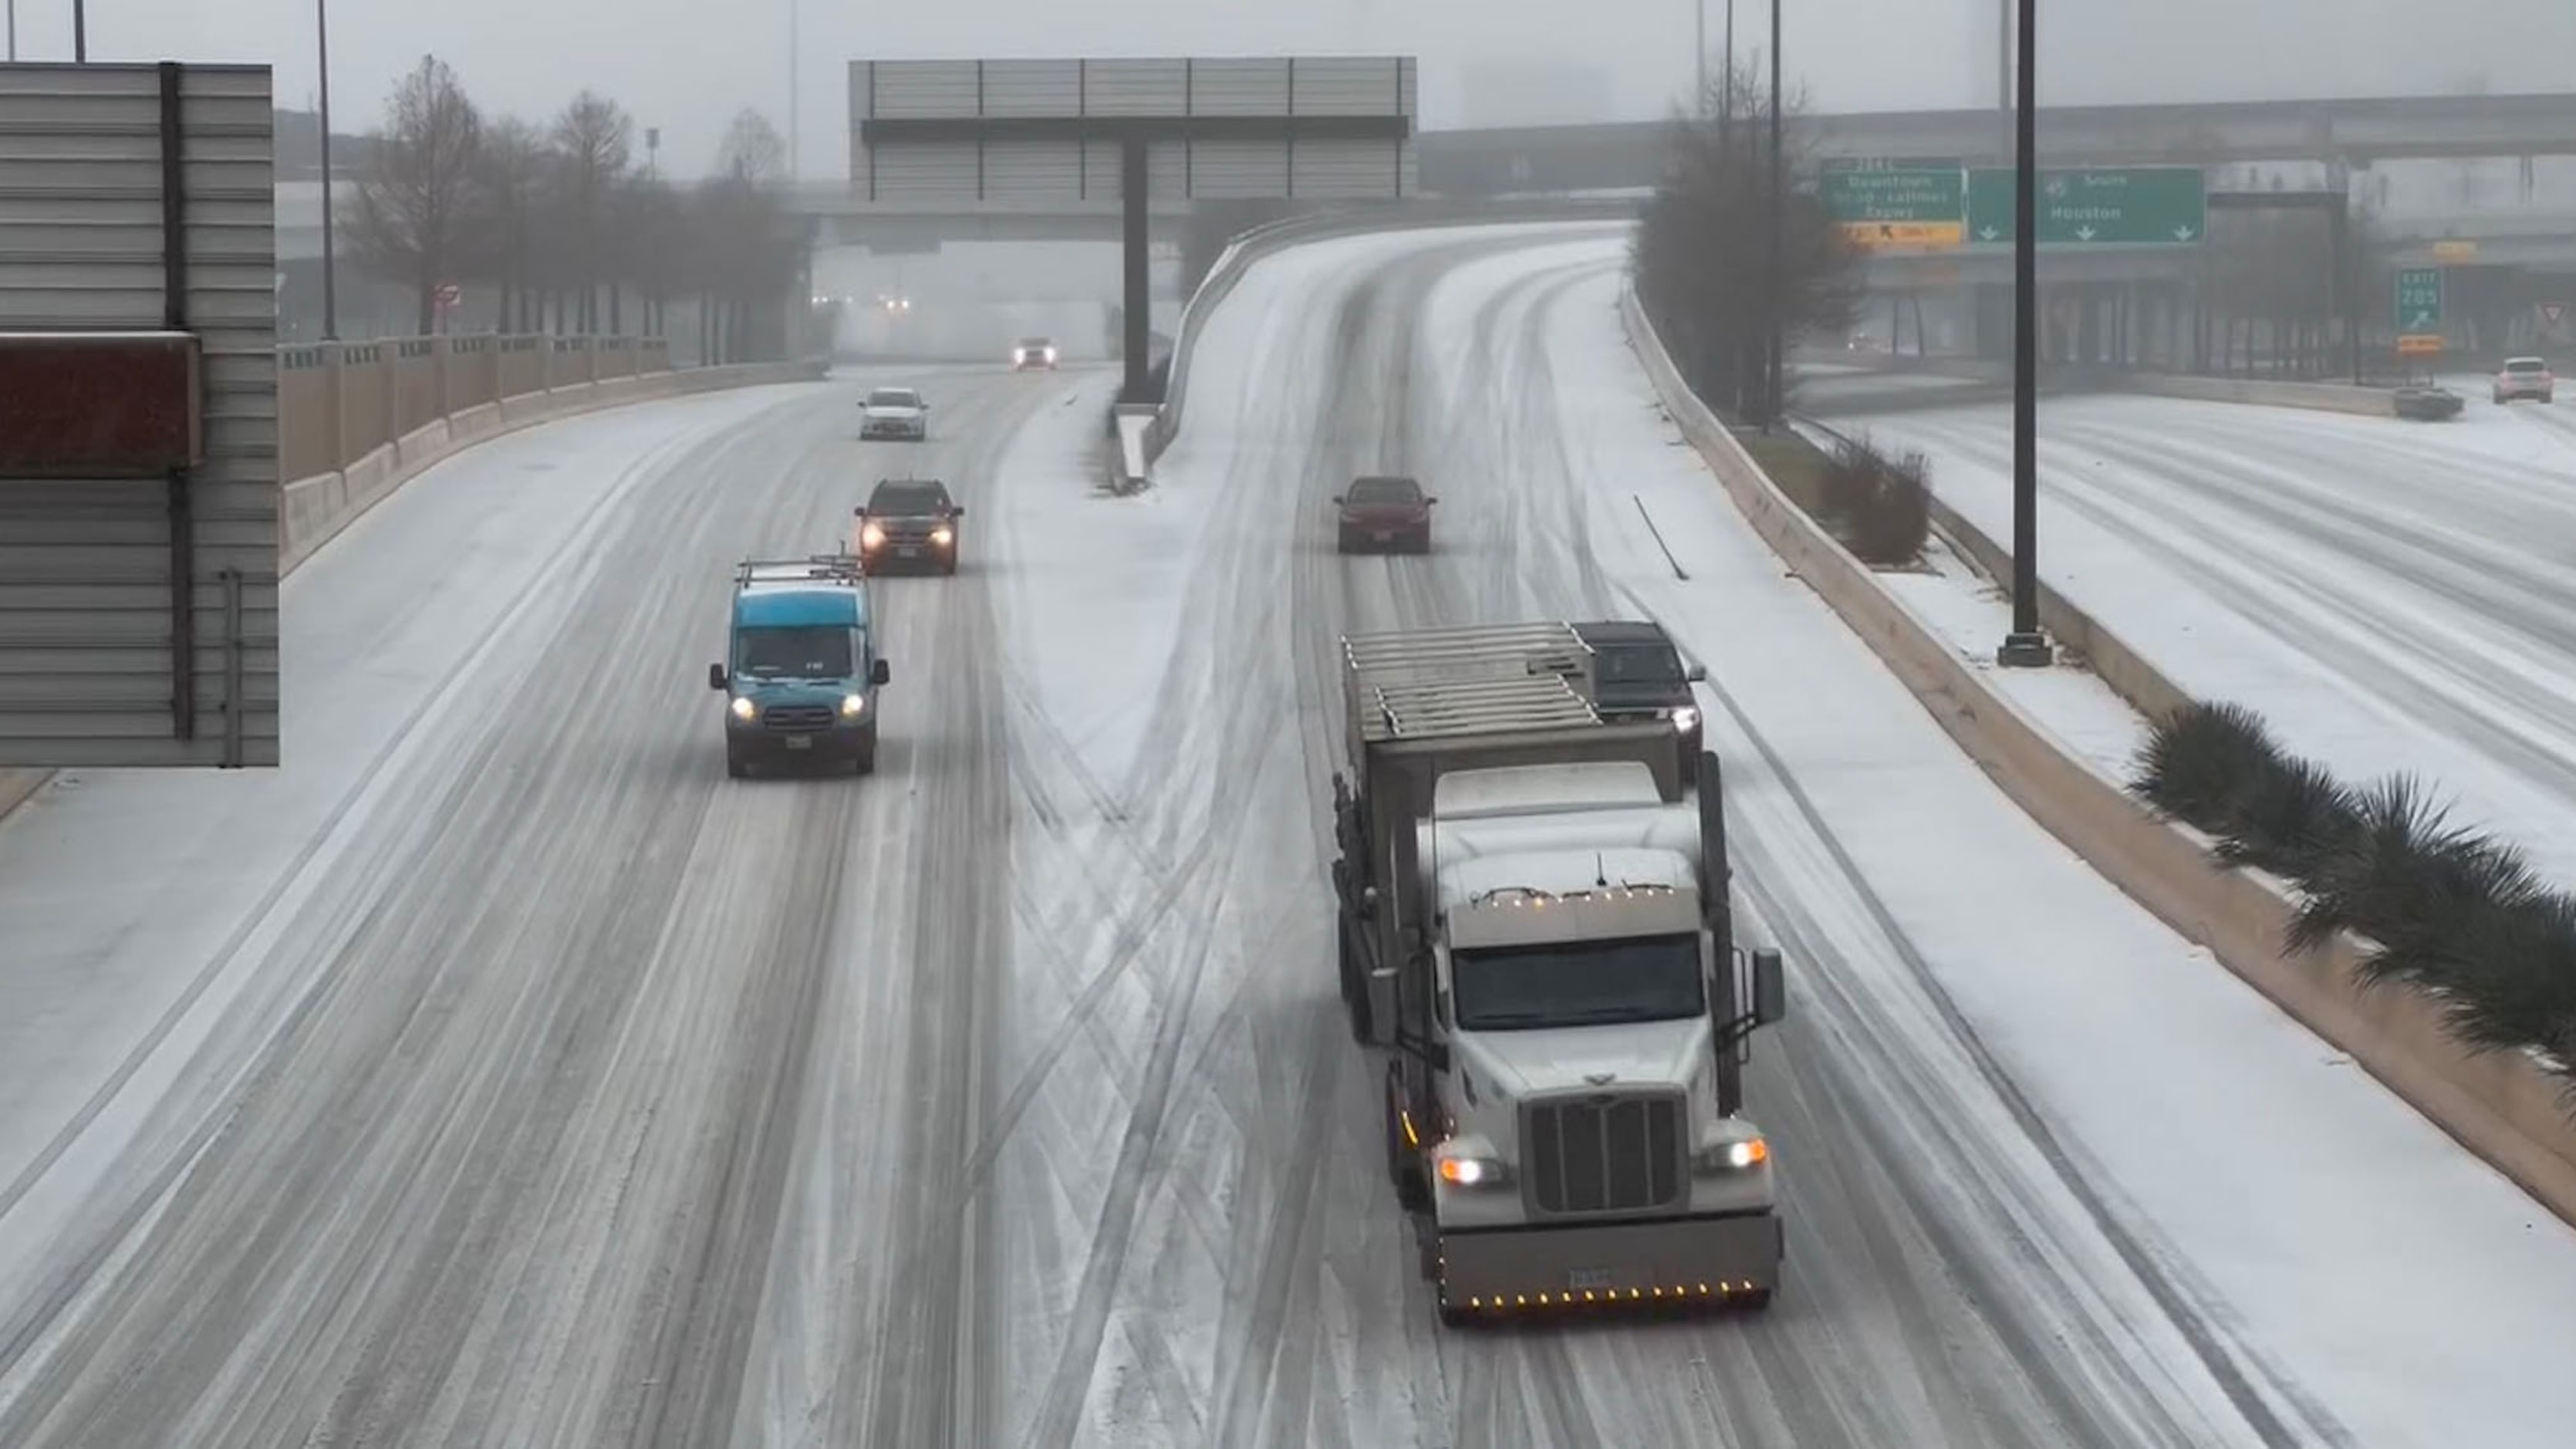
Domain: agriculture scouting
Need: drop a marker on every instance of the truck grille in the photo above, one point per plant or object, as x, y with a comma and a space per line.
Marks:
797, 718
1605, 1153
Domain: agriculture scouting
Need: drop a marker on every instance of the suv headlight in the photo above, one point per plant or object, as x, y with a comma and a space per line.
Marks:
1740, 1155
943, 535
872, 537
1685, 718
743, 707
853, 705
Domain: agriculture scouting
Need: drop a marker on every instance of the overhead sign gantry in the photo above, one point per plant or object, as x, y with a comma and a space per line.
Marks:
1123, 132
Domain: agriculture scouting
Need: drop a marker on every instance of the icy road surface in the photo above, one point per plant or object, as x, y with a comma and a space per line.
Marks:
501, 1073
2392, 596
2054, 1178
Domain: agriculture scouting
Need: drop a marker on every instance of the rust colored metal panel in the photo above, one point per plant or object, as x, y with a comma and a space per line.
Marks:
99, 404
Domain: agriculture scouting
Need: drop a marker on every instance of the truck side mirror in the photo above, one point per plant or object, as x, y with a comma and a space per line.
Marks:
1696, 675
859, 512
1337, 500
1770, 988
880, 673
957, 510
716, 677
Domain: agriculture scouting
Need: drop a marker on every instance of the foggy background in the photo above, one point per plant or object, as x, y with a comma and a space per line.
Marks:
686, 66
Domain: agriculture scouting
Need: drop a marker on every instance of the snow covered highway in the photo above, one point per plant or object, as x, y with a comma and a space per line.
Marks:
500, 1072
2393, 596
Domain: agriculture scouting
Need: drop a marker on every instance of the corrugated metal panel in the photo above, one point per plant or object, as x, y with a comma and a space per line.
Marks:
86, 567
926, 89
1220, 169
924, 171
1135, 87
1033, 170
1349, 168
1033, 87
1239, 87
1354, 86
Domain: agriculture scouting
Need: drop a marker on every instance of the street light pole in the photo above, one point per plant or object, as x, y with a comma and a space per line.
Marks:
2025, 647
1776, 397
330, 282
80, 31
795, 114
1699, 58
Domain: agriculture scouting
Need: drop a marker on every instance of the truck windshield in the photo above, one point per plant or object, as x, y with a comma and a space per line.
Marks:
1578, 983
793, 652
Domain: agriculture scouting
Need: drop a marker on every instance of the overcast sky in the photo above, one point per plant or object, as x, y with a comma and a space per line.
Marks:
687, 65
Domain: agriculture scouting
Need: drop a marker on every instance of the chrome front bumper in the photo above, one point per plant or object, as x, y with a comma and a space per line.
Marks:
1670, 1261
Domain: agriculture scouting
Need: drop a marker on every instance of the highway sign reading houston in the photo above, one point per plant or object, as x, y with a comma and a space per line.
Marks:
2131, 206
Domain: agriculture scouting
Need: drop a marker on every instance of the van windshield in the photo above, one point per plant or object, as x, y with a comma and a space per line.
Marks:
1578, 983
805, 651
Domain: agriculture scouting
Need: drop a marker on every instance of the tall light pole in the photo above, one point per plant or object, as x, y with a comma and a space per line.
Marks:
1699, 58
2025, 647
1776, 396
330, 282
795, 112
1726, 83
80, 31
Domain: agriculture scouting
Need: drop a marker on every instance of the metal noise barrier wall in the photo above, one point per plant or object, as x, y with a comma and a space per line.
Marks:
138, 611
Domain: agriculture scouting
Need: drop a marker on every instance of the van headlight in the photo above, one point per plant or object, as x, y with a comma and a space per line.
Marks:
1741, 1155
1685, 719
853, 705
742, 707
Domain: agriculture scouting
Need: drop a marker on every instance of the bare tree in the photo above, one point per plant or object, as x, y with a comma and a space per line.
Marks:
595, 144
1703, 250
752, 151
508, 199
409, 215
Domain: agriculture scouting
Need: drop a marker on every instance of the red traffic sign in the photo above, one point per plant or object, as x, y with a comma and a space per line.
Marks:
448, 294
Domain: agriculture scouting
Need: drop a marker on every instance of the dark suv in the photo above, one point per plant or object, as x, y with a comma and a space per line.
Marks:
1638, 674
910, 523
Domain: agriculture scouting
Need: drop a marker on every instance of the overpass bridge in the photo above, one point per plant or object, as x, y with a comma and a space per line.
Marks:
2356, 133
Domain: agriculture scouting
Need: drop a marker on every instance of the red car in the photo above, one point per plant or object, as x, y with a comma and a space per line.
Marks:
1384, 515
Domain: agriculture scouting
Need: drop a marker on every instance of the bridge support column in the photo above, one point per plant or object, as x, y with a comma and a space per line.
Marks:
1135, 239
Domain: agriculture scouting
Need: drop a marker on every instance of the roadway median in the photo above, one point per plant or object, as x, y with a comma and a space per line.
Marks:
2502, 1105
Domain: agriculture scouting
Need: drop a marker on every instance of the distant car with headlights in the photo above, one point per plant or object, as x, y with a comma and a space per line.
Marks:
1383, 515
2428, 404
910, 523
802, 671
1639, 674
1033, 354
895, 412
2525, 377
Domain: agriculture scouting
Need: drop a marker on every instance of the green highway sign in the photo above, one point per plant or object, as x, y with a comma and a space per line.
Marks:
1891, 163
2418, 306
2110, 206
1896, 208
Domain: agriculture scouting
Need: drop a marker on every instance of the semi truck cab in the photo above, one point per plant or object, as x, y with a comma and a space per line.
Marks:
1533, 920
802, 671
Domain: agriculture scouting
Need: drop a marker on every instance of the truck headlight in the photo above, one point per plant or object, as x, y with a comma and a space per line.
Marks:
943, 536
871, 537
1685, 719
1466, 1169
853, 705
742, 707
1737, 1156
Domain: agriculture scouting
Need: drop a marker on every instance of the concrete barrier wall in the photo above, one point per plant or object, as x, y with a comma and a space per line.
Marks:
2501, 1106
1262, 241
2060, 379
2318, 396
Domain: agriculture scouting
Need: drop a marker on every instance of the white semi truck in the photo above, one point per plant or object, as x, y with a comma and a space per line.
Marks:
1533, 922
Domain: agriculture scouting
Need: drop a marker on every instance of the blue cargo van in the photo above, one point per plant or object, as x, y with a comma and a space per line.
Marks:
802, 671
